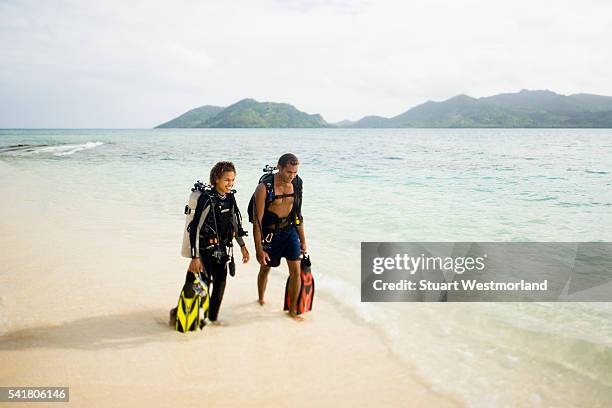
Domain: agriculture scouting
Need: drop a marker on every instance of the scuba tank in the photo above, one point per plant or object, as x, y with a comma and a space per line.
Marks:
196, 192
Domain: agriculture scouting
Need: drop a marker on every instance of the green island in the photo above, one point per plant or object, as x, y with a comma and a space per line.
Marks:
524, 109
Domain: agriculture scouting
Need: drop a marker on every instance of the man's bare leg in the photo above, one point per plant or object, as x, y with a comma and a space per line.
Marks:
295, 285
262, 282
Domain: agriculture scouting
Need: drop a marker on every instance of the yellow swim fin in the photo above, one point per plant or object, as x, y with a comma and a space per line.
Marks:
192, 306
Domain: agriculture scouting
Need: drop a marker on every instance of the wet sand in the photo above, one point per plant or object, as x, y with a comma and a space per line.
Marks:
85, 306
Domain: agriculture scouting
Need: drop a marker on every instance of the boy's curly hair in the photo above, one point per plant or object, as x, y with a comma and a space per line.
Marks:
218, 169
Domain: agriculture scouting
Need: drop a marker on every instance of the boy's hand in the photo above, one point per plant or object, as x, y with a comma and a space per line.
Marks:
195, 266
245, 254
263, 258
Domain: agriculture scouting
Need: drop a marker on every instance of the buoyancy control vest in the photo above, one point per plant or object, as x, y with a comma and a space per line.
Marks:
219, 220
271, 221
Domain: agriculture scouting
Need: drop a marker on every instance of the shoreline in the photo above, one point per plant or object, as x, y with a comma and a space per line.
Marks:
99, 325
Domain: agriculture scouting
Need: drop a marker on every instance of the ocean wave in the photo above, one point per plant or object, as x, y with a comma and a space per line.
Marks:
589, 204
44, 149
545, 198
19, 149
476, 340
343, 294
69, 149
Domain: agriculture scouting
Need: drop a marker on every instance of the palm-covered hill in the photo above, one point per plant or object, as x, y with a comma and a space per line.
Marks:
247, 113
524, 109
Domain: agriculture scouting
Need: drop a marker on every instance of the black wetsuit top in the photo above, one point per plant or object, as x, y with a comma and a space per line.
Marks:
220, 223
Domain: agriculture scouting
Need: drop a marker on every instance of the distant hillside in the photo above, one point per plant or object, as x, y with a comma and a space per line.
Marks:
195, 118
247, 113
344, 123
524, 109
372, 122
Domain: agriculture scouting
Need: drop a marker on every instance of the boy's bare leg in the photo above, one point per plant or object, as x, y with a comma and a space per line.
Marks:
262, 282
295, 285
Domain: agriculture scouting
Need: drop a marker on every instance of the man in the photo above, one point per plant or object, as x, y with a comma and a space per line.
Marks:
278, 230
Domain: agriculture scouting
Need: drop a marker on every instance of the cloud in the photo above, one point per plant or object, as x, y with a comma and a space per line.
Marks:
137, 64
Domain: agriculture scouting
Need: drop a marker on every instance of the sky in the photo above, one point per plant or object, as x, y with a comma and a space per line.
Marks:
136, 64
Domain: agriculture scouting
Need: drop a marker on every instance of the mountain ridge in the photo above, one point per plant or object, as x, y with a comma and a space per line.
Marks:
523, 109
247, 113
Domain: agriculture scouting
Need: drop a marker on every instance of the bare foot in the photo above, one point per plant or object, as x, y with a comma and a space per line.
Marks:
296, 317
218, 323
261, 302
172, 320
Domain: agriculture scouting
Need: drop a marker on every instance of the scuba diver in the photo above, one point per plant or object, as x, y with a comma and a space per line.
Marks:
208, 242
278, 228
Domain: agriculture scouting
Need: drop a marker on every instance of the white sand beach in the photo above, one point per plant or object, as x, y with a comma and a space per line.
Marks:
84, 305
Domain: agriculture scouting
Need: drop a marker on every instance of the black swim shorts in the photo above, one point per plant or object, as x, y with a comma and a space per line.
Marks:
284, 244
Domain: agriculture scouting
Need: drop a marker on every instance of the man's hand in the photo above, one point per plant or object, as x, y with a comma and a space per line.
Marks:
303, 247
263, 258
245, 254
195, 266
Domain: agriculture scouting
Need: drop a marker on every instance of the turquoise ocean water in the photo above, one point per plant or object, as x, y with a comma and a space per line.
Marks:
388, 185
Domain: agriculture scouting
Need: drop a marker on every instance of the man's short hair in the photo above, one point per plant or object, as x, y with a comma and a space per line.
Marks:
288, 158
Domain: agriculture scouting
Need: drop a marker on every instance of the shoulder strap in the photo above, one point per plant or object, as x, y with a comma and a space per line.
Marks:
206, 198
268, 182
284, 195
297, 185
297, 201
236, 211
